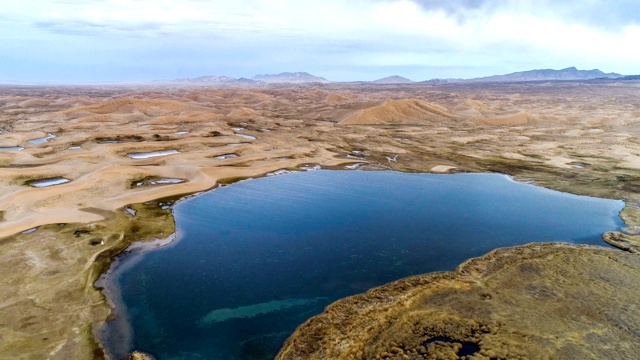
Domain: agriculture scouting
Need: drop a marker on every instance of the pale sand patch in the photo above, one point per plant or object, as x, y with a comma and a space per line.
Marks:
507, 120
559, 161
631, 162
573, 133
471, 139
443, 168
514, 156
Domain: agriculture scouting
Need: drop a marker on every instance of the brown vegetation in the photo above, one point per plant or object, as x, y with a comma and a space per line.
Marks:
538, 301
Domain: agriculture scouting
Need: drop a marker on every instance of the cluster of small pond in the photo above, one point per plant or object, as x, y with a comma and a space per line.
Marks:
35, 141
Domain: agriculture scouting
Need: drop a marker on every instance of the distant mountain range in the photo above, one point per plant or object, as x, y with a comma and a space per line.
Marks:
567, 74
395, 79
289, 77
215, 80
570, 73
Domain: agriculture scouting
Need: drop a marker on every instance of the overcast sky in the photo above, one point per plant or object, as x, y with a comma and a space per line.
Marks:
341, 40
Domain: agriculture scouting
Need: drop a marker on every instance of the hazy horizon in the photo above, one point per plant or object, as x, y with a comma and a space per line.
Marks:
114, 41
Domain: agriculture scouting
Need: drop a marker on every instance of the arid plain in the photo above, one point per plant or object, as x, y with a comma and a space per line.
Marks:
129, 152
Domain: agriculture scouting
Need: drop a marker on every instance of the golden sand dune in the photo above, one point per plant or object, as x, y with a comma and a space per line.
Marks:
341, 96
404, 111
242, 113
471, 108
129, 105
485, 114
245, 97
35, 102
315, 95
187, 117
100, 118
334, 98
509, 120
477, 105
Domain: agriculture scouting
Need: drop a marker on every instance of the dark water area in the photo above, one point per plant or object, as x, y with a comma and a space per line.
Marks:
256, 259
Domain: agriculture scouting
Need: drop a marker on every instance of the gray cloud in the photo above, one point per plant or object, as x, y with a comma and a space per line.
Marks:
604, 14
599, 13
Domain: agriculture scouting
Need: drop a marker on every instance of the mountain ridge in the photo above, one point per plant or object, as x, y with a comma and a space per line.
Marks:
566, 74
570, 73
393, 79
289, 77
215, 80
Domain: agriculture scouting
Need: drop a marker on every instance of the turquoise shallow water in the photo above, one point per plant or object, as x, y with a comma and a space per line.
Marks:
256, 259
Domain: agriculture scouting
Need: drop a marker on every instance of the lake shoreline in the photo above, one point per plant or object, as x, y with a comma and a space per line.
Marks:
507, 178
107, 284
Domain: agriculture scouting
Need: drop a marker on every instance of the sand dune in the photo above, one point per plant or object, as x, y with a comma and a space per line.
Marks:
471, 108
128, 106
245, 97
35, 102
341, 96
404, 111
242, 113
187, 117
510, 120
485, 114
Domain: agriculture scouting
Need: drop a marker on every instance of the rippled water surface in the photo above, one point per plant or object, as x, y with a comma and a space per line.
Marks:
256, 259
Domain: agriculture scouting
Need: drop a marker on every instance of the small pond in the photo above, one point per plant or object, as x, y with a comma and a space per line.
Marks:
157, 181
246, 136
48, 182
152, 154
42, 140
227, 156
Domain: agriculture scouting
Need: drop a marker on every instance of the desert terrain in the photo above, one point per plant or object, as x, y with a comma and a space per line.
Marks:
123, 155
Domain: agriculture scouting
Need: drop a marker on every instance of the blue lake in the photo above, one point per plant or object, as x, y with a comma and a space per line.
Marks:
256, 259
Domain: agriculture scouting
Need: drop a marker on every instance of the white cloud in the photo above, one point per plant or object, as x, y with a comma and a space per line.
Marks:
377, 33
